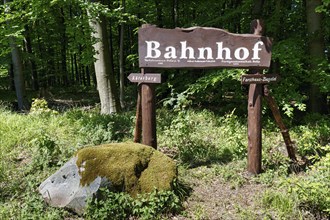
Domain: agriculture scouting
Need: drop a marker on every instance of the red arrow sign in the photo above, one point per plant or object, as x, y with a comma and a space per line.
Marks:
145, 78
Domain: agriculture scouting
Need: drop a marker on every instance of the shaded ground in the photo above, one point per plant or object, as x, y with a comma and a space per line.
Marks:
215, 197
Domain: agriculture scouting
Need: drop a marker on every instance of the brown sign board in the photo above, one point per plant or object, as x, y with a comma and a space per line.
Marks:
199, 47
145, 78
259, 78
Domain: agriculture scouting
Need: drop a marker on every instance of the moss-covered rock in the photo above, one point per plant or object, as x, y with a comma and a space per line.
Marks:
130, 167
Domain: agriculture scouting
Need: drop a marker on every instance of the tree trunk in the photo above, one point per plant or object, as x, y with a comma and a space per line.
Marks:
34, 77
104, 76
18, 69
175, 10
88, 76
64, 71
159, 12
317, 101
257, 9
121, 62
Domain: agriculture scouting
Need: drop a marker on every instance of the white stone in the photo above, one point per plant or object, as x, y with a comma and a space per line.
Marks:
63, 189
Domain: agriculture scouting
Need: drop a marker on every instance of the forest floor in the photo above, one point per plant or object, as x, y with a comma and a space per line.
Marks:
217, 191
214, 196
228, 192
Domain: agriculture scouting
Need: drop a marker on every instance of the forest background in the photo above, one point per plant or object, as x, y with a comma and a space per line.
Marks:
51, 44
76, 55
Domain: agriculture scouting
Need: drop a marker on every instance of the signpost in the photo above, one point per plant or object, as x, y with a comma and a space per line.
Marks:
254, 114
199, 47
145, 78
259, 79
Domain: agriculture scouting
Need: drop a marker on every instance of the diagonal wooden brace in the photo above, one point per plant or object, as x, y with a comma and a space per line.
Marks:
285, 132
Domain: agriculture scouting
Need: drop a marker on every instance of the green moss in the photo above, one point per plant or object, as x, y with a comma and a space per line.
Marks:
161, 173
131, 167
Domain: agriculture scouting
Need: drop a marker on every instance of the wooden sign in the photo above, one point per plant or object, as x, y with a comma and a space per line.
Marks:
259, 78
201, 48
145, 78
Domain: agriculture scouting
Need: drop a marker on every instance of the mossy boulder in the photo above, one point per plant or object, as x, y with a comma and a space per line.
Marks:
129, 167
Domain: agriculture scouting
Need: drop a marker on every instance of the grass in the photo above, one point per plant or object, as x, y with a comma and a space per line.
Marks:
209, 148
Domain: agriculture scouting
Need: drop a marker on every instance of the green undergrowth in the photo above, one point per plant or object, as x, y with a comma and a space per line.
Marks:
203, 137
151, 206
34, 145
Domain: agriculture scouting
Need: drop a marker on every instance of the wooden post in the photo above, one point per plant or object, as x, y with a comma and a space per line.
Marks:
254, 116
254, 129
148, 103
148, 115
148, 112
138, 121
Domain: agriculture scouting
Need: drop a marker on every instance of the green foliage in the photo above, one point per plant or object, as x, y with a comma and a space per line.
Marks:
109, 205
312, 138
30, 206
313, 190
286, 206
97, 129
40, 106
32, 146
232, 173
202, 137
122, 206
216, 87
324, 8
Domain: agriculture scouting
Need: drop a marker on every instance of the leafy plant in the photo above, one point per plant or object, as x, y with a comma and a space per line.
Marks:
156, 204
286, 206
202, 137
109, 205
40, 106
313, 190
96, 129
122, 206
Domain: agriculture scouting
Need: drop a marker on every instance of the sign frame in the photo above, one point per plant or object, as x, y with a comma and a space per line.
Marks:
201, 47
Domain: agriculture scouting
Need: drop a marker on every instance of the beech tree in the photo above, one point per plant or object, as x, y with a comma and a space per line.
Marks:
317, 100
121, 61
17, 65
106, 84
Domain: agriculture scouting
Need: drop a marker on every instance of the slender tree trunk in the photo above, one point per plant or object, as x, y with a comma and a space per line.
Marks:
88, 76
105, 78
111, 61
71, 77
76, 70
11, 77
159, 13
18, 69
64, 71
121, 62
175, 10
317, 101
83, 75
257, 9
34, 75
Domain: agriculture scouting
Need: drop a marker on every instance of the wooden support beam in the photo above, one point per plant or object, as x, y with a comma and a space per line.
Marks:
148, 98
138, 120
254, 129
277, 116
